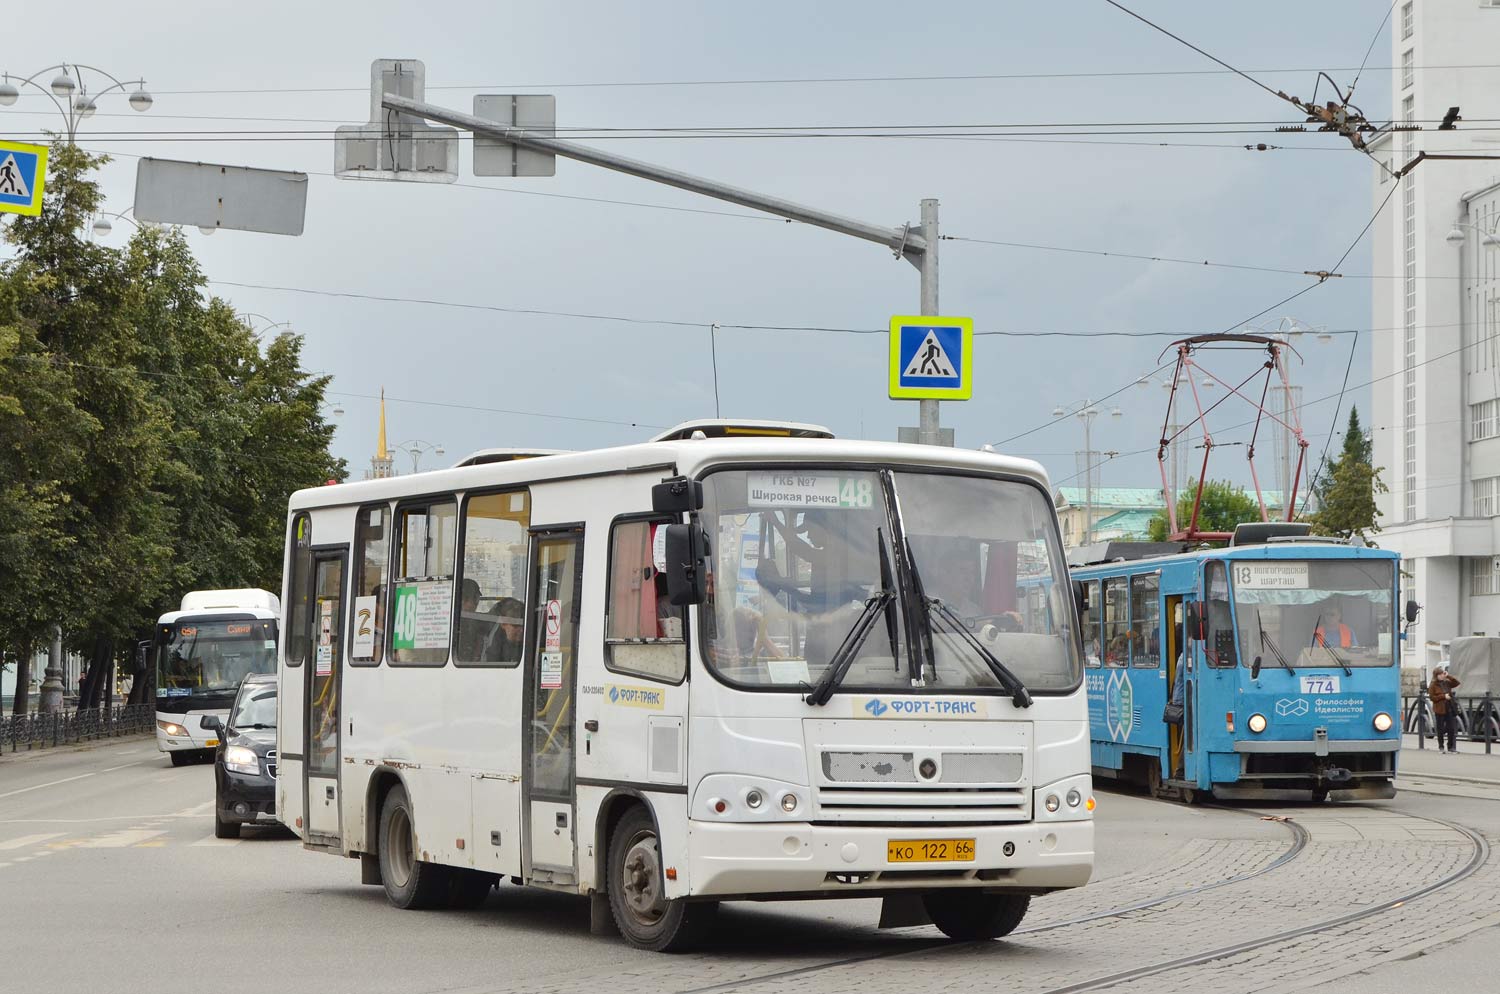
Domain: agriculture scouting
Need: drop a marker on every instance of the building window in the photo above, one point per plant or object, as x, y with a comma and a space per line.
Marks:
1484, 497
1482, 420
1482, 576
1408, 58
1406, 20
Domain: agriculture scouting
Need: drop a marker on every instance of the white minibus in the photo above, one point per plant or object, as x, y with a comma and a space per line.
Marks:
201, 653
740, 662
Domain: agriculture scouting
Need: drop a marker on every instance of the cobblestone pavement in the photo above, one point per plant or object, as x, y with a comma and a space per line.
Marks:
1355, 858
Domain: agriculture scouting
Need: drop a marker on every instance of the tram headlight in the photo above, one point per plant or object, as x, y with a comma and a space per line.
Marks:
1382, 722
1257, 723
171, 727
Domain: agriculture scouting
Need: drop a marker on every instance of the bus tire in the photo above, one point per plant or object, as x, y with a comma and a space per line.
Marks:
643, 914
181, 758
468, 889
971, 916
409, 882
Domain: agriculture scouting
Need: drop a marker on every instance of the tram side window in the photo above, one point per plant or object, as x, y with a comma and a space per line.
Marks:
371, 577
422, 589
1219, 648
1116, 622
643, 632
299, 593
492, 605
1092, 613
1145, 620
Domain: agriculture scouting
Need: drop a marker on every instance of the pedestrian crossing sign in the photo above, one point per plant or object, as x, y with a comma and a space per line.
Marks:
23, 172
931, 358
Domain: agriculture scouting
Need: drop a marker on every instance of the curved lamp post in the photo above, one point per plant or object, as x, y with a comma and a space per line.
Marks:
69, 92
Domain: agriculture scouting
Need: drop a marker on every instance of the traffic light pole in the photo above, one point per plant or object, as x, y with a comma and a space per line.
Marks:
917, 245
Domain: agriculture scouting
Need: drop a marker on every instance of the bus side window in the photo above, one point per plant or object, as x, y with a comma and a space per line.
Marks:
1092, 612
1116, 622
492, 606
421, 611
371, 577
1145, 620
299, 591
643, 633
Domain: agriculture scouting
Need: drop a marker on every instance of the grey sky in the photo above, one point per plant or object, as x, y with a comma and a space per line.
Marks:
1295, 209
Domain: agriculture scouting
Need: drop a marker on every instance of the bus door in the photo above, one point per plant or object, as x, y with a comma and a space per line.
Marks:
324, 672
551, 679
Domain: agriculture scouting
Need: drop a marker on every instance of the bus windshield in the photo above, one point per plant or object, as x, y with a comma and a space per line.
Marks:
1318, 612
210, 657
798, 554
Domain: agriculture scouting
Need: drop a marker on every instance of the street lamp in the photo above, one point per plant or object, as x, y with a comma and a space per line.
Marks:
250, 317
1086, 415
102, 225
1456, 234
416, 448
71, 95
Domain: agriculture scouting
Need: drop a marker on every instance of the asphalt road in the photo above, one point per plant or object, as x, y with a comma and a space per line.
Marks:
111, 879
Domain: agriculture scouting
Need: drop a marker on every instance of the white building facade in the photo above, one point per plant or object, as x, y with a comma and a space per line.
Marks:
1436, 357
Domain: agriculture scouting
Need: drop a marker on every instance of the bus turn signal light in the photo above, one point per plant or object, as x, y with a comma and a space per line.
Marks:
1089, 804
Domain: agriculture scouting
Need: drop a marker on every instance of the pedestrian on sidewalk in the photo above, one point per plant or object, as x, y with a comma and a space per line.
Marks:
1440, 691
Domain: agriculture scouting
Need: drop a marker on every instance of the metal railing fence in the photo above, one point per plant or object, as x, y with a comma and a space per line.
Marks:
1477, 718
35, 731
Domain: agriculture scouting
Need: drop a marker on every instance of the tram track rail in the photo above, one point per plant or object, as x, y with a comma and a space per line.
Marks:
1300, 839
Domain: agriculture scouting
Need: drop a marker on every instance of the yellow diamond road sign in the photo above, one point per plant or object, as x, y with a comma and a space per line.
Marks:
23, 172
932, 358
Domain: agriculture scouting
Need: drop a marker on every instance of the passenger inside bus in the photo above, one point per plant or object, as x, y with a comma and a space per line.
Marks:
504, 642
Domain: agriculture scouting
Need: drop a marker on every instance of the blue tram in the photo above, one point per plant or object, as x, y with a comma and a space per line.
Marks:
1287, 648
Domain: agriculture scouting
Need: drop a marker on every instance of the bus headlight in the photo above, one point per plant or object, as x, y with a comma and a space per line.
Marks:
171, 728
1382, 722
1257, 723
789, 803
1074, 798
1052, 803
241, 759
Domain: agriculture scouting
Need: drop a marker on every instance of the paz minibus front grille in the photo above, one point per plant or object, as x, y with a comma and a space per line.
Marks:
923, 785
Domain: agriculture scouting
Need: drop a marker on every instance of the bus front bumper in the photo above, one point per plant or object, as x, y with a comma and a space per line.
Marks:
838, 860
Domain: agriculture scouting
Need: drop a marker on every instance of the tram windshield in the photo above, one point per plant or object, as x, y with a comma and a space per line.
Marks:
1314, 612
800, 555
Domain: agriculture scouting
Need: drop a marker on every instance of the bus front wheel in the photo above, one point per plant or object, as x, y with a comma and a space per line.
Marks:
637, 891
409, 882
181, 758
969, 916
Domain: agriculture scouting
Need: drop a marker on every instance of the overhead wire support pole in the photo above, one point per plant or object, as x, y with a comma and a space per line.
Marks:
920, 249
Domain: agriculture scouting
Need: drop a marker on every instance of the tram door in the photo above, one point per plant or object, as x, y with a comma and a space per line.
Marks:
1185, 739
1176, 639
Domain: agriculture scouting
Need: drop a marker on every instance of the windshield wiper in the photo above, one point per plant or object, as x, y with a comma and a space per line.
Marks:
888, 583
1267, 641
843, 658
1018, 692
1331, 650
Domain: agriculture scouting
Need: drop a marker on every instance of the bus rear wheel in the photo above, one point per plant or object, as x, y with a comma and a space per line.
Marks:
637, 891
409, 882
970, 916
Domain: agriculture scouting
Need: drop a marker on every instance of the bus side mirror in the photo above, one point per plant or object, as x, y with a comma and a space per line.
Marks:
687, 565
677, 495
1412, 610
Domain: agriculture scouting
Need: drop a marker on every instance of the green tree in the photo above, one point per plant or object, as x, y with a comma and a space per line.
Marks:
1224, 506
1348, 486
148, 443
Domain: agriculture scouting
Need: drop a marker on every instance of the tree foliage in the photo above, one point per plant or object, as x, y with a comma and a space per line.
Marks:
1224, 506
1347, 488
148, 442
